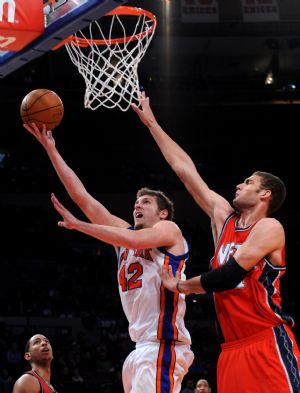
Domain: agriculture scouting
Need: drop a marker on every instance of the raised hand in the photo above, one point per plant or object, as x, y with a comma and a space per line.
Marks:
69, 221
144, 111
44, 137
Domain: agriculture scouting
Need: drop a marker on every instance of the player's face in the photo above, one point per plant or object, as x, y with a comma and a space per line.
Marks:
146, 212
40, 349
248, 193
202, 387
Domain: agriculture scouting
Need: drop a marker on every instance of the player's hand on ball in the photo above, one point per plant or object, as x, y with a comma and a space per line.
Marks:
44, 137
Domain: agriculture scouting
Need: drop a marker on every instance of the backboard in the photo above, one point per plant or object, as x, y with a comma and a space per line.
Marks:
61, 19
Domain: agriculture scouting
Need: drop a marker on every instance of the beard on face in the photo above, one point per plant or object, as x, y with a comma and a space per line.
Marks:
245, 204
235, 204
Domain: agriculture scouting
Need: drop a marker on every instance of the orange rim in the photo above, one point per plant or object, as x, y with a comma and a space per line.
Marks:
122, 10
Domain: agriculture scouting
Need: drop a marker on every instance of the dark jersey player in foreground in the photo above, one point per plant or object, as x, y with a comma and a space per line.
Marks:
259, 351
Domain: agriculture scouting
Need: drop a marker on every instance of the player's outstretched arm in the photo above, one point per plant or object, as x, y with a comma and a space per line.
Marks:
174, 284
92, 208
266, 240
164, 233
182, 164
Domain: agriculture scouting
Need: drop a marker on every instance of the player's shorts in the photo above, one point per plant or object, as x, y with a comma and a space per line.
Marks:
268, 362
155, 367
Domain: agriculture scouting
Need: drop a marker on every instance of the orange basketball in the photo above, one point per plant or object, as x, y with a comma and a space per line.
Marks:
42, 106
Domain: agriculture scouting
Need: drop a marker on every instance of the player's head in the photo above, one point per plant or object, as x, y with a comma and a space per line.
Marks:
38, 350
202, 386
260, 186
151, 206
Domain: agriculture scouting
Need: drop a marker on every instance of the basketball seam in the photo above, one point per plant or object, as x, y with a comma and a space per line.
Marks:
46, 109
39, 97
40, 122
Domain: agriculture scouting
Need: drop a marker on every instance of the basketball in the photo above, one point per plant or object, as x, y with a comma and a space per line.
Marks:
42, 106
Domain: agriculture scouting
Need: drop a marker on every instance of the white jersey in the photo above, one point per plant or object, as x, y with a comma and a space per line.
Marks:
154, 313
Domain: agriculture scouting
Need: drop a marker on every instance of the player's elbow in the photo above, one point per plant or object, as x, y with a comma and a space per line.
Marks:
80, 199
181, 170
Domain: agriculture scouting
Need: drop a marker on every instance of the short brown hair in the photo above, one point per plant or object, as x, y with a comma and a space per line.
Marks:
163, 201
277, 188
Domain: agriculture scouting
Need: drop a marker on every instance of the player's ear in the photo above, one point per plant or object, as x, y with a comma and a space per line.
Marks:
266, 194
27, 356
163, 214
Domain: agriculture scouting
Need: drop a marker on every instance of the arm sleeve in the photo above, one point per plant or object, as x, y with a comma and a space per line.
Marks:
225, 277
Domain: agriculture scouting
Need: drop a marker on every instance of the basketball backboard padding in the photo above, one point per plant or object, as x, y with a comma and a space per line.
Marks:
67, 23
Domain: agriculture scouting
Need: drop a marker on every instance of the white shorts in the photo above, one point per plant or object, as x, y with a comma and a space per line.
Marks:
155, 367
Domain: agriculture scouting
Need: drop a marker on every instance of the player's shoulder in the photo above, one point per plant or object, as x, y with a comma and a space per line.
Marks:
26, 384
170, 225
169, 229
167, 223
269, 224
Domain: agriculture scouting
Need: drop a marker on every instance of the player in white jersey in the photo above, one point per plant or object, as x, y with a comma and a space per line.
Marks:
156, 322
162, 355
143, 307
155, 315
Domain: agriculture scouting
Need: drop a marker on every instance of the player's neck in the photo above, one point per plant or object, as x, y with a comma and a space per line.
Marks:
43, 371
250, 217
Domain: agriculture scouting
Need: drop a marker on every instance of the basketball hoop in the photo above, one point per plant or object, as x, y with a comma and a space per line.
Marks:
107, 55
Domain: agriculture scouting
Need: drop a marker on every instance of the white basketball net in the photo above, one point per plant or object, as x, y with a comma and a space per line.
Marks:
110, 68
